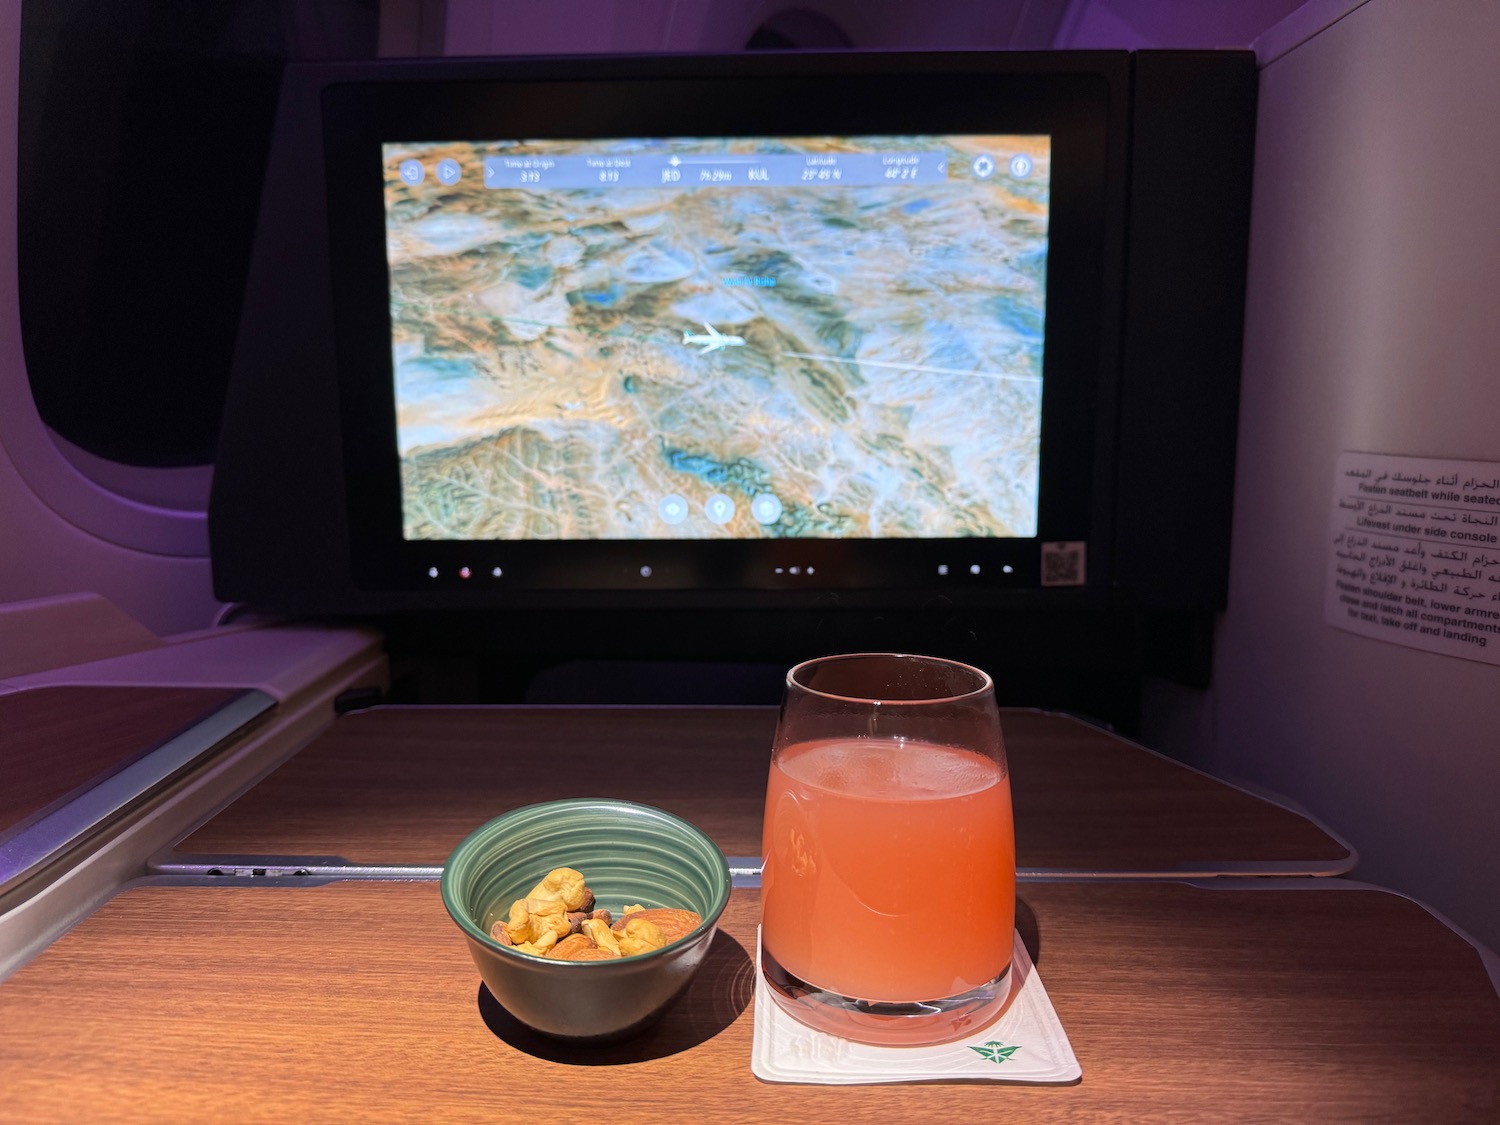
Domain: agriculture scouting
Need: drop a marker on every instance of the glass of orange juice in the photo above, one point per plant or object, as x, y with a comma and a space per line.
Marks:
888, 895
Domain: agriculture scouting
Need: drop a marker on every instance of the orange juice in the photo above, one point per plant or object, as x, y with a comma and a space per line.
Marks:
890, 869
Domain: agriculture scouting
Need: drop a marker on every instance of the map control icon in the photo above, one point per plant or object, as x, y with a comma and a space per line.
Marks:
719, 508
672, 509
766, 508
1020, 166
412, 172
449, 171
983, 167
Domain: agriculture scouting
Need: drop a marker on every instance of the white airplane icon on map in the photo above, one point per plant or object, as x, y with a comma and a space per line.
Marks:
713, 341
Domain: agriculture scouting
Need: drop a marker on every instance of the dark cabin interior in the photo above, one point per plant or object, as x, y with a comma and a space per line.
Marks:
442, 439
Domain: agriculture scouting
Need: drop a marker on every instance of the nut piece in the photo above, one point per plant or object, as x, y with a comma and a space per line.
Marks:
576, 918
539, 947
640, 935
569, 947
532, 918
673, 924
594, 953
601, 935
566, 884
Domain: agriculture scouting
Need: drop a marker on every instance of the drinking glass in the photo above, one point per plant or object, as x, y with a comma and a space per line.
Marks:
888, 896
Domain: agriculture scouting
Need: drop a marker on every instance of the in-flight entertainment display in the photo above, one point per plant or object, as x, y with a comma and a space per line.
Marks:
769, 331
789, 337
747, 332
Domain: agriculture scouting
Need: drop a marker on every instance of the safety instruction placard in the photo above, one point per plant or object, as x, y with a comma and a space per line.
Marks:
1415, 555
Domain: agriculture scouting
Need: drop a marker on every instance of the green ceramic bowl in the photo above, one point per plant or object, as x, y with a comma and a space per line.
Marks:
628, 853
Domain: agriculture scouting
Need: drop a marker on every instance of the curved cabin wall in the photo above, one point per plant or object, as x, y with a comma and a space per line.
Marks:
60, 531
1370, 326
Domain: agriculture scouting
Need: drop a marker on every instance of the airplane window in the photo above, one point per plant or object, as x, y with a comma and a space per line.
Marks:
143, 133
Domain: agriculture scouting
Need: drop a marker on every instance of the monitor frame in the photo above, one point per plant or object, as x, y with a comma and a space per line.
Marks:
1075, 100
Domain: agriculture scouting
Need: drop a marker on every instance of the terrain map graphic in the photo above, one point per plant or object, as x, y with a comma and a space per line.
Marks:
557, 372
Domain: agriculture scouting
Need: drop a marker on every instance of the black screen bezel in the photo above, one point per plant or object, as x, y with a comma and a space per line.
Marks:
1078, 106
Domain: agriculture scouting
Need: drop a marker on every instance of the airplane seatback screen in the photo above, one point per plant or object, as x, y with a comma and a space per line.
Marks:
819, 337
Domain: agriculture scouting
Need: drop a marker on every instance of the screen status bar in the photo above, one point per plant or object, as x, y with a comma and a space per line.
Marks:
658, 170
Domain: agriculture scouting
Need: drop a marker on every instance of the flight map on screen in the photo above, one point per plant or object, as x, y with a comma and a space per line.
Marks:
698, 338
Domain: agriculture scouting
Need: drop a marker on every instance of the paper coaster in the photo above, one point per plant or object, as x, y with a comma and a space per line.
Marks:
1027, 1044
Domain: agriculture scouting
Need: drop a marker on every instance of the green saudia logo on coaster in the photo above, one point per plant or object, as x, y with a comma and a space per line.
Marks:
995, 1051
